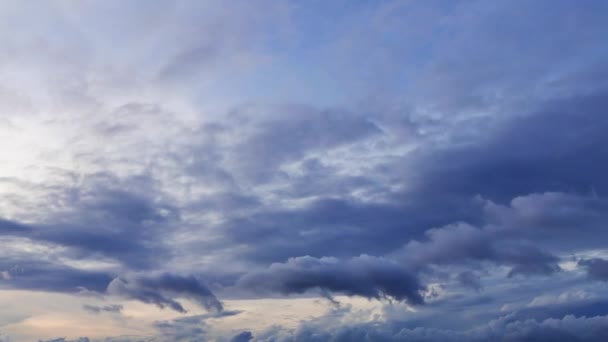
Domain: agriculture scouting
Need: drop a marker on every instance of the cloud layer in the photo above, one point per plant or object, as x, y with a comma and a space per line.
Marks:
444, 160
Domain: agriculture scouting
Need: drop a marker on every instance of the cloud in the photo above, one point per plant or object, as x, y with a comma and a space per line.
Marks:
114, 308
104, 219
294, 132
12, 227
566, 304
488, 164
93, 216
365, 276
245, 336
463, 243
440, 187
46, 276
597, 268
506, 328
161, 289
469, 279
283, 149
190, 328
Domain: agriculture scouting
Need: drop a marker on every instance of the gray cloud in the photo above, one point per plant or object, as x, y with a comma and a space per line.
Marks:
444, 182
94, 217
597, 268
506, 328
47, 276
457, 142
161, 289
461, 243
364, 276
299, 130
245, 336
469, 279
114, 308
190, 328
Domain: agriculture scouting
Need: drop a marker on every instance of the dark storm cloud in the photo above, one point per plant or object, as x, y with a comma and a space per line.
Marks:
162, 289
364, 276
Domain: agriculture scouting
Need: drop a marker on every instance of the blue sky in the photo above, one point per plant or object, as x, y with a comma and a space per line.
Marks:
303, 171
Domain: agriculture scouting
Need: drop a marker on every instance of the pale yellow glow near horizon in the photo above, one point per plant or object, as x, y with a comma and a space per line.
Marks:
29, 316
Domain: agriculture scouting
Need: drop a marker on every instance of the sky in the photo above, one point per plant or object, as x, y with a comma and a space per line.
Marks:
278, 171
